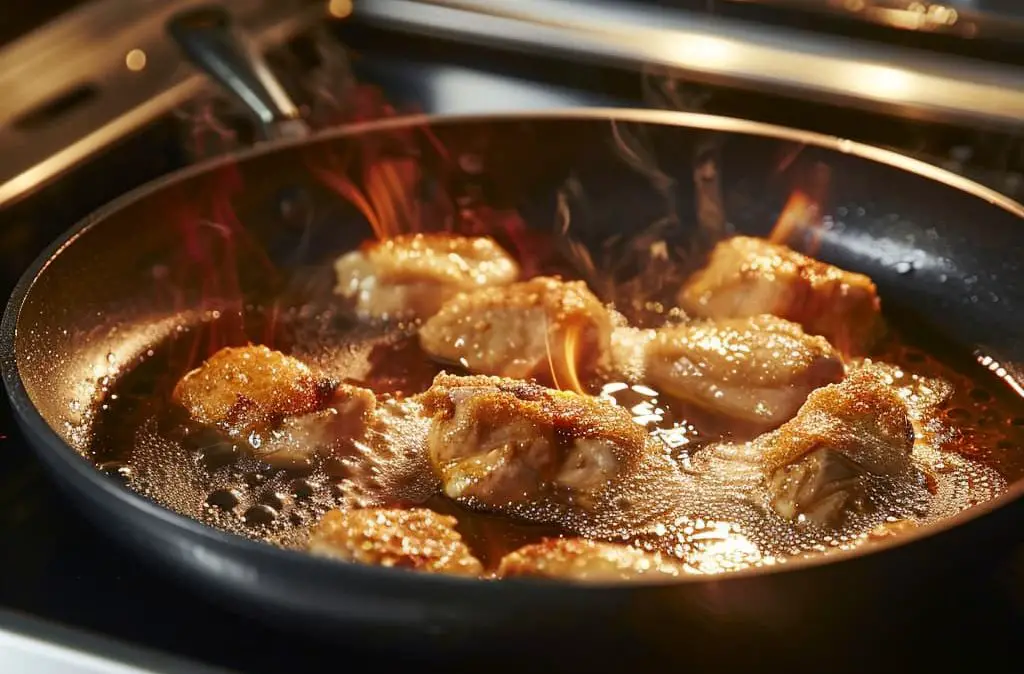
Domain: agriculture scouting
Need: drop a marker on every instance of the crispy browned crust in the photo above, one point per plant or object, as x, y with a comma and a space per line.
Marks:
242, 388
840, 305
417, 539
571, 415
809, 355
832, 416
759, 257
411, 257
467, 325
580, 558
565, 301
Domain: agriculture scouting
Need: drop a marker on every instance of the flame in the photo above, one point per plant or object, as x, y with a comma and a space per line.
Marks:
801, 217
563, 357
798, 216
217, 251
379, 223
386, 190
215, 247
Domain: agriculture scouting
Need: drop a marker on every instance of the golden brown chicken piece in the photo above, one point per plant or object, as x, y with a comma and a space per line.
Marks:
746, 276
416, 539
511, 331
495, 442
409, 277
847, 448
273, 403
294, 442
243, 389
757, 369
583, 560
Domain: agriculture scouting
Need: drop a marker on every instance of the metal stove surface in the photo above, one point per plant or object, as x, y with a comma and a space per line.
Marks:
63, 582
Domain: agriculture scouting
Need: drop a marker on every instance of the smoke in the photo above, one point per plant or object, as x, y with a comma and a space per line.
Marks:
638, 269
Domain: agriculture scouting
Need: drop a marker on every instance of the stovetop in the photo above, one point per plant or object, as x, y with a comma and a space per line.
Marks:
60, 572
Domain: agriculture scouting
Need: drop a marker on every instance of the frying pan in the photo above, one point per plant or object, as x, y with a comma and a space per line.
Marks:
942, 250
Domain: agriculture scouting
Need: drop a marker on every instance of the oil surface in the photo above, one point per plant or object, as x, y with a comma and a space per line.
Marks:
715, 519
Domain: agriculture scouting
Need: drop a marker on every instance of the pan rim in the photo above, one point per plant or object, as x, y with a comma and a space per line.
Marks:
91, 479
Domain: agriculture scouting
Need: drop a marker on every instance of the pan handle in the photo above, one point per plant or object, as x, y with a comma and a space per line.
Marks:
208, 38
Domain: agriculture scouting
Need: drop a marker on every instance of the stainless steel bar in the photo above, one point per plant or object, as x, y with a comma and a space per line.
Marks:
712, 49
987, 19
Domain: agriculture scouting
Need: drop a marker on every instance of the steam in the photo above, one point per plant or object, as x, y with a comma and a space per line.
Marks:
638, 271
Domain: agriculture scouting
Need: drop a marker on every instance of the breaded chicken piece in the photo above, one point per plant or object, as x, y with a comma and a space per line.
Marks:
746, 276
511, 331
410, 276
845, 441
584, 560
416, 539
496, 442
273, 403
757, 369
244, 389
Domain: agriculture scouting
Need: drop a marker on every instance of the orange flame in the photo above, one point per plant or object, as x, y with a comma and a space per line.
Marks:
564, 356
385, 191
384, 188
799, 215
387, 203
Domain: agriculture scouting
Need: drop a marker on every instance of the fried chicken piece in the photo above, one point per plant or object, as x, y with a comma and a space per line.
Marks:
244, 389
746, 276
510, 331
924, 397
836, 456
496, 442
273, 403
757, 369
296, 440
411, 276
584, 560
417, 539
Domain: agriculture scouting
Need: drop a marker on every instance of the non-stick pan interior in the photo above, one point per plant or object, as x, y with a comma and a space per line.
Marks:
271, 222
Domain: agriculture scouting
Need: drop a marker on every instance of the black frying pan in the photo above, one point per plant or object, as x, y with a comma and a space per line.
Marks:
944, 252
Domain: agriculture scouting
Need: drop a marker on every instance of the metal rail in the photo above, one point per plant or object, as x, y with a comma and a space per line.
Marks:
120, 47
907, 82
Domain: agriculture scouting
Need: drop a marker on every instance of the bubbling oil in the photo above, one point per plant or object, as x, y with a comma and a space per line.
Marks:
708, 510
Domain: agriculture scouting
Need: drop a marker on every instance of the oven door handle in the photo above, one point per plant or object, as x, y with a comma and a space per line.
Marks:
208, 38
